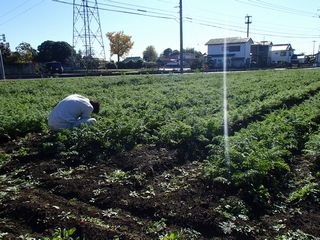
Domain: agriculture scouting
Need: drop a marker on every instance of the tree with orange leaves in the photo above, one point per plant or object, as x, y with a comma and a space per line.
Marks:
120, 43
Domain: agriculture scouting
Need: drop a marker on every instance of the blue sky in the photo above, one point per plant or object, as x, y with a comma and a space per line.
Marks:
286, 21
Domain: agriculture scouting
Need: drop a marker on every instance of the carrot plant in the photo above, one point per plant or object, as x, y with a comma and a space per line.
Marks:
177, 111
260, 154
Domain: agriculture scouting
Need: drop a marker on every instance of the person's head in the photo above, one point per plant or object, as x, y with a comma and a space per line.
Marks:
96, 106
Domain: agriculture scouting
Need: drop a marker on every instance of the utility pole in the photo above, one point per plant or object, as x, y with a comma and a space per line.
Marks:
314, 42
2, 72
248, 21
181, 38
3, 75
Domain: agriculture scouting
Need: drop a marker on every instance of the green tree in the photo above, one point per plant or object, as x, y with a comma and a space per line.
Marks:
175, 53
90, 62
150, 54
120, 43
25, 53
54, 51
167, 52
197, 54
6, 53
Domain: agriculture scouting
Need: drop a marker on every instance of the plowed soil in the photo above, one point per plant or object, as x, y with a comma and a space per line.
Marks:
146, 193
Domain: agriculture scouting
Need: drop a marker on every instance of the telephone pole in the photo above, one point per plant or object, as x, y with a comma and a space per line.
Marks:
248, 21
2, 72
181, 38
314, 42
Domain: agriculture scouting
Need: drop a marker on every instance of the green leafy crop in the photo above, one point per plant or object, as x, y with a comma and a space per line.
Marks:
62, 234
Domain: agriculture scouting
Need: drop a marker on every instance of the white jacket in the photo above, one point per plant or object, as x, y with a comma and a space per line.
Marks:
69, 112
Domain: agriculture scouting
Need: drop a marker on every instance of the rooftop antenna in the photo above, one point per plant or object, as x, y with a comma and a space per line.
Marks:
87, 29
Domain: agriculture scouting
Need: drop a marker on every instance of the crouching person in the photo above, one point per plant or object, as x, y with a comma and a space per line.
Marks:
73, 111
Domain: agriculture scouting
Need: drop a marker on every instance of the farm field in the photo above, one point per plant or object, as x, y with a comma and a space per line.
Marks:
155, 164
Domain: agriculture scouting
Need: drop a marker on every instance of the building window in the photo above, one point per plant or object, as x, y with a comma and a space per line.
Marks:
233, 48
283, 53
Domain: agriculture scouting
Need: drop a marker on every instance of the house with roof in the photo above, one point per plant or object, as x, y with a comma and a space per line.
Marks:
281, 54
237, 52
261, 54
298, 59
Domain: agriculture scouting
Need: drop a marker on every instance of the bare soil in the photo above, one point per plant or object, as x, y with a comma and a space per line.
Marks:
145, 193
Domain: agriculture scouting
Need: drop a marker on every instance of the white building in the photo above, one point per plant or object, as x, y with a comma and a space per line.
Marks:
237, 52
281, 53
298, 58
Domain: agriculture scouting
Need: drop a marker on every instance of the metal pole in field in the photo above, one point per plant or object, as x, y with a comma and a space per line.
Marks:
181, 39
3, 75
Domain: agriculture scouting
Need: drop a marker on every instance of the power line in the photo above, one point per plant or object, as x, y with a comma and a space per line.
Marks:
13, 9
122, 11
164, 1
87, 11
219, 25
229, 26
281, 29
236, 28
278, 8
139, 6
140, 9
23, 12
161, 13
296, 35
235, 19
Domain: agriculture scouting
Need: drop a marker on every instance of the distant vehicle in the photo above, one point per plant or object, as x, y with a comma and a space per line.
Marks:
173, 65
53, 67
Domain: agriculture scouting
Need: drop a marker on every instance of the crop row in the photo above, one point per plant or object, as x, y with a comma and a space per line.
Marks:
260, 155
268, 96
188, 114
183, 111
312, 148
273, 116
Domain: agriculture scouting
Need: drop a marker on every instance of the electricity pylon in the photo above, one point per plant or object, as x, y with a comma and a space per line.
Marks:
87, 34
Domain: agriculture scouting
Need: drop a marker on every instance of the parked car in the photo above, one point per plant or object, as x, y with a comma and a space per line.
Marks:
53, 67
